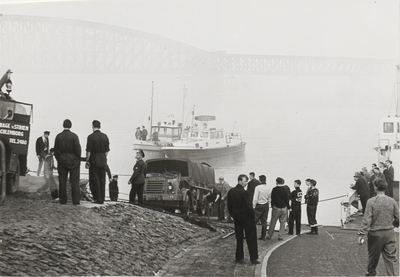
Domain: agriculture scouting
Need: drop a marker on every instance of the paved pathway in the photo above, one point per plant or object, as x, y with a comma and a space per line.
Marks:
334, 252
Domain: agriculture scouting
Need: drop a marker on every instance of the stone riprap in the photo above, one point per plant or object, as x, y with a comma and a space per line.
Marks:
40, 237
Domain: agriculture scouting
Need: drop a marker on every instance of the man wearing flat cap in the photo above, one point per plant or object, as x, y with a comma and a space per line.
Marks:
42, 149
97, 148
361, 186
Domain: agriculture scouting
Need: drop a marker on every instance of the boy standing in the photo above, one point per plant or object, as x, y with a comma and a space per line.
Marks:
113, 188
312, 202
295, 208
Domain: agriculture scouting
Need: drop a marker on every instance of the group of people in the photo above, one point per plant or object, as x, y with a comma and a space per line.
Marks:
67, 151
365, 181
249, 203
141, 134
380, 215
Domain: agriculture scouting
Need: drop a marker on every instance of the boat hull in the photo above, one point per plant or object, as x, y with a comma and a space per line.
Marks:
234, 153
151, 150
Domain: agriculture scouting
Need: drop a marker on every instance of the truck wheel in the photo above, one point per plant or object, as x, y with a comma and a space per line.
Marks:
13, 181
186, 206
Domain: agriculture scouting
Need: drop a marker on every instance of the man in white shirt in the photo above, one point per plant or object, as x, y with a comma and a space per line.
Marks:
261, 200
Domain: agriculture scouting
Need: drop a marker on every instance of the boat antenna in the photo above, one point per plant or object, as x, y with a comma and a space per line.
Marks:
151, 115
398, 92
193, 114
234, 123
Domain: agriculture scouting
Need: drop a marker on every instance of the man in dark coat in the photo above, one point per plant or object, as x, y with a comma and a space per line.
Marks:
42, 149
67, 151
389, 176
240, 208
251, 186
137, 178
97, 148
144, 133
362, 188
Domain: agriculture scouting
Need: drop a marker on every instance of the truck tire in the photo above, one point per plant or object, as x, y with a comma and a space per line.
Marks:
186, 205
13, 181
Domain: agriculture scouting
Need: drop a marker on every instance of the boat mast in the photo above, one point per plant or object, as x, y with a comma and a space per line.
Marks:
192, 115
151, 115
398, 91
183, 104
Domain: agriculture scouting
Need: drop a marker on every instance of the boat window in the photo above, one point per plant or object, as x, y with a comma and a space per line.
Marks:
220, 134
388, 127
185, 135
194, 134
204, 134
212, 135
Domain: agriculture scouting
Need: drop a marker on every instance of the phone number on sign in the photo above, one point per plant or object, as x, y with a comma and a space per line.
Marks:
18, 141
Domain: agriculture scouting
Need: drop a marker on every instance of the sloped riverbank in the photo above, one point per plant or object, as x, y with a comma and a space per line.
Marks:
41, 237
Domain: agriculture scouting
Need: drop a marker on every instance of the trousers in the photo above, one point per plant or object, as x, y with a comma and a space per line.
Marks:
384, 242
74, 180
249, 227
281, 214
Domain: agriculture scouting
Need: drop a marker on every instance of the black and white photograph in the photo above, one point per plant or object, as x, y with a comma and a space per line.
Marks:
199, 137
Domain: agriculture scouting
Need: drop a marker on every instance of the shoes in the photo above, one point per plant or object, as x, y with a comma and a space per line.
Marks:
268, 238
239, 261
290, 233
94, 201
262, 239
373, 273
56, 200
255, 262
311, 233
297, 234
280, 238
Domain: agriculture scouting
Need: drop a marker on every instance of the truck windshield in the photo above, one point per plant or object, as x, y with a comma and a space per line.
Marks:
168, 166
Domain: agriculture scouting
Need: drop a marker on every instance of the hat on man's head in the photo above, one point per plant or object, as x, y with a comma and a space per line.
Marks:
357, 174
96, 124
47, 132
115, 176
141, 152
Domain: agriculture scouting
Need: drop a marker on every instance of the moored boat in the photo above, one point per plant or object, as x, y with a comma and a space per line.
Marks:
160, 135
203, 144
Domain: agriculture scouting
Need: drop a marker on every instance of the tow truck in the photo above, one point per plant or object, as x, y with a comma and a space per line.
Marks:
15, 119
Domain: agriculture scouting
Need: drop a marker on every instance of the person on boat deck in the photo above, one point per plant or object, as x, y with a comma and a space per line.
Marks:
138, 134
366, 174
144, 133
361, 186
389, 178
379, 217
312, 198
374, 176
113, 188
155, 135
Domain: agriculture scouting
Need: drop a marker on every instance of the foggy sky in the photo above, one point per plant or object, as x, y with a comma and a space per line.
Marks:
334, 28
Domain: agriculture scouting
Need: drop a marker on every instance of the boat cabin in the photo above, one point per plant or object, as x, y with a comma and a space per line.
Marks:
390, 134
166, 133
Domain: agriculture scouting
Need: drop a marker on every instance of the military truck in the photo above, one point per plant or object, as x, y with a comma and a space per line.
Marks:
178, 184
15, 118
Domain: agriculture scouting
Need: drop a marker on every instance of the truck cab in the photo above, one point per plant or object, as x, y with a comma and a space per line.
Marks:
178, 184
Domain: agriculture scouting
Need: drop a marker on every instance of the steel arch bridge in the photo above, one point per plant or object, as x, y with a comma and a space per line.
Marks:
52, 45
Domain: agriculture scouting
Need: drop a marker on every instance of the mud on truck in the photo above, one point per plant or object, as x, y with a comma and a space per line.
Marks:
15, 118
178, 184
